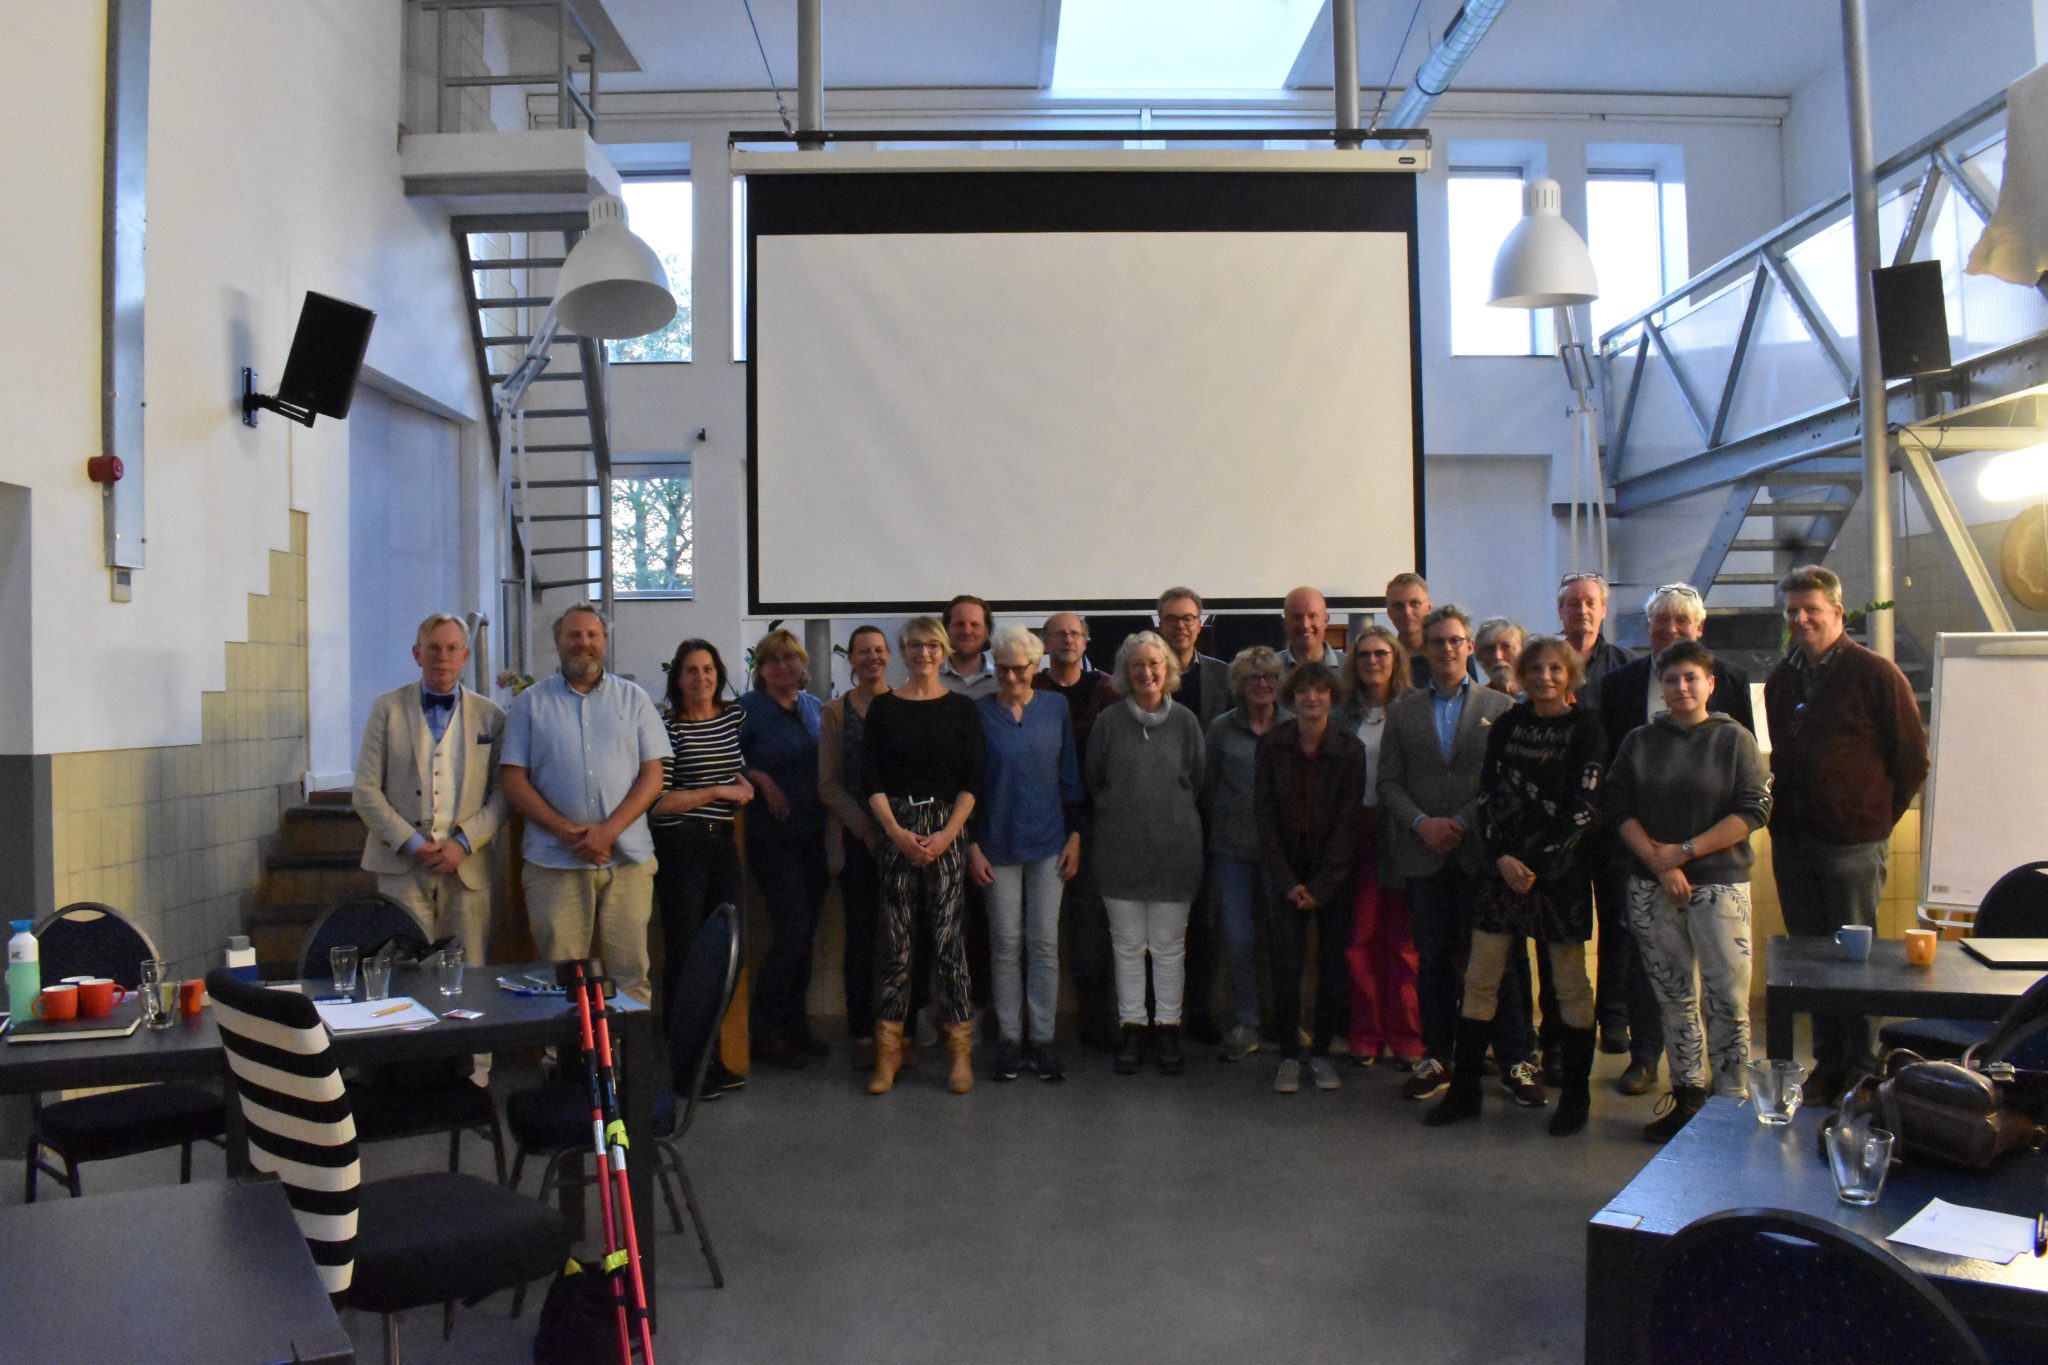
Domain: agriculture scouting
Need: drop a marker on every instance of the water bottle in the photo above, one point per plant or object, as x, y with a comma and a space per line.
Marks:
24, 970
242, 958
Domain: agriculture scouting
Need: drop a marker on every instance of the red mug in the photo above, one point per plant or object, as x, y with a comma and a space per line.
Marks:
56, 1003
97, 997
192, 995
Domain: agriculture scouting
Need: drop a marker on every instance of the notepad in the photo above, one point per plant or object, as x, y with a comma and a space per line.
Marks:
370, 1016
1958, 1230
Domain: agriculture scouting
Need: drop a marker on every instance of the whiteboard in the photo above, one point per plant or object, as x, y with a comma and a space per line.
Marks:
1986, 809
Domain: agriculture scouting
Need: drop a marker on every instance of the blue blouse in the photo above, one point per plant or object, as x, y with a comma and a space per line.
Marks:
1033, 777
783, 743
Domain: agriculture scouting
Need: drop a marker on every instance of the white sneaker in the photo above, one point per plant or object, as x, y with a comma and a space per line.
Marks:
1325, 1075
1287, 1079
1241, 1042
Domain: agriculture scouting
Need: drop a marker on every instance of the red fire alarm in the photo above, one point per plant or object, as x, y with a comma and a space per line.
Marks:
105, 469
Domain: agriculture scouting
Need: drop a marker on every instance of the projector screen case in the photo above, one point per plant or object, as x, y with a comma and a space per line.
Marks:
1070, 389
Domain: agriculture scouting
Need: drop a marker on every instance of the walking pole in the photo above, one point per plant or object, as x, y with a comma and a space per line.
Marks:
614, 1130
575, 975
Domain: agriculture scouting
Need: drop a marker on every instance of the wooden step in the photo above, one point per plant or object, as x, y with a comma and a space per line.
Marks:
276, 931
326, 827
312, 878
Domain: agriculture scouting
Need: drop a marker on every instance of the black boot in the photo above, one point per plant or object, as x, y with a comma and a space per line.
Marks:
1462, 1100
1130, 1052
1684, 1101
1169, 1060
1575, 1096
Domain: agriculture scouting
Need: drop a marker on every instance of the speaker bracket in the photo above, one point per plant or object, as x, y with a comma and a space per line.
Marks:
253, 401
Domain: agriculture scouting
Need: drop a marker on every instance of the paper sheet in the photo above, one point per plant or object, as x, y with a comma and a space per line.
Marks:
1957, 1230
365, 1016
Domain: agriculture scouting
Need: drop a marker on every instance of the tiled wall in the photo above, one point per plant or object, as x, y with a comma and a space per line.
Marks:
174, 836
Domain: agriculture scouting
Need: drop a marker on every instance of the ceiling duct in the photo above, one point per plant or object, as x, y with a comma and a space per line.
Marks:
1441, 66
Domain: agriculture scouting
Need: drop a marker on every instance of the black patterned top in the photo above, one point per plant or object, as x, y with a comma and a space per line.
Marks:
1539, 797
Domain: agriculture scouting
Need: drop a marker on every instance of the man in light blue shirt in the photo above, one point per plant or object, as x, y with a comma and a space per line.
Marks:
582, 762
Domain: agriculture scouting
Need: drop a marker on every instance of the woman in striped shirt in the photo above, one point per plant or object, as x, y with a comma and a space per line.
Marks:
703, 785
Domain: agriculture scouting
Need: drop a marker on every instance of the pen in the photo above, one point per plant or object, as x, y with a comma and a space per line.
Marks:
393, 1009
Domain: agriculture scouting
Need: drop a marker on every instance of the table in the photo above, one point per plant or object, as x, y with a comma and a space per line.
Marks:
1810, 975
212, 1272
1725, 1159
190, 1049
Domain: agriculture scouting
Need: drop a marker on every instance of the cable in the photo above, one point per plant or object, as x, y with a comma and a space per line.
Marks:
1393, 66
781, 109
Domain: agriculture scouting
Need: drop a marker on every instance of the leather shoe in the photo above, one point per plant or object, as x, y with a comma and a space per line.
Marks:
1613, 1041
1639, 1077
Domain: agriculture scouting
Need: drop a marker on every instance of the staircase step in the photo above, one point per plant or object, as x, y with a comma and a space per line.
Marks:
560, 449
331, 796
566, 550
522, 342
511, 301
567, 516
1790, 478
1787, 544
1732, 580
520, 263
1795, 509
559, 483
321, 829
276, 931
545, 377
568, 583
533, 413
312, 879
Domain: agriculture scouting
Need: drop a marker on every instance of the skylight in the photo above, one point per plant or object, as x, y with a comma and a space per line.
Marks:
1180, 44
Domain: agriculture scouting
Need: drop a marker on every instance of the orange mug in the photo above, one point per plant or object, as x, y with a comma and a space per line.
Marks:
56, 1003
192, 995
97, 996
1920, 945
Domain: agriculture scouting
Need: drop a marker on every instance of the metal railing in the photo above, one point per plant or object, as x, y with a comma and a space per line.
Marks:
572, 59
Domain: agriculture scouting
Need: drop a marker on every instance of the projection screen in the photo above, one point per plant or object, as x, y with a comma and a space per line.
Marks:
1062, 389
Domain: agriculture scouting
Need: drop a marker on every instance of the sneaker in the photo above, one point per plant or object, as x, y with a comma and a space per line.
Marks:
1287, 1079
1673, 1112
1429, 1079
724, 1079
1639, 1077
1241, 1042
1009, 1061
1364, 1057
1613, 1041
1324, 1074
1404, 1065
1522, 1081
1046, 1059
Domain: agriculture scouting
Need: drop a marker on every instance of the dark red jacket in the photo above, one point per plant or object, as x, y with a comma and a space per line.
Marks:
1848, 756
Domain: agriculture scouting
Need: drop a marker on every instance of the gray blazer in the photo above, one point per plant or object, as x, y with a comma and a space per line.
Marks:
391, 795
1415, 780
1216, 698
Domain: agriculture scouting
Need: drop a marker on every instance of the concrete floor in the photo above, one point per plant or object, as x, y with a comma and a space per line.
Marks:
1104, 1218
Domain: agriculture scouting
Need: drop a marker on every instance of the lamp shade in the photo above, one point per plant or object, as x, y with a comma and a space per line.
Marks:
1544, 262
613, 285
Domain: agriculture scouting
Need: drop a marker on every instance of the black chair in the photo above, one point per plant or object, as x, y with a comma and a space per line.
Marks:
555, 1118
1778, 1285
388, 1245
90, 939
401, 1101
2016, 906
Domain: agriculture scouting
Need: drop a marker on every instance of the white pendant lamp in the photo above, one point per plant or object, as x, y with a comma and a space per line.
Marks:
613, 286
1544, 262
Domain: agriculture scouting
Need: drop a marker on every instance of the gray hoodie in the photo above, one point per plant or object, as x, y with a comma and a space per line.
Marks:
1679, 782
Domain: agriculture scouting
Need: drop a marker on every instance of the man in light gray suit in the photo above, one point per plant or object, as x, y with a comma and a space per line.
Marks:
1430, 760
427, 786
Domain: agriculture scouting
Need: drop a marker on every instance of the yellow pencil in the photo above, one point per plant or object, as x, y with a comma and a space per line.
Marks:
392, 1010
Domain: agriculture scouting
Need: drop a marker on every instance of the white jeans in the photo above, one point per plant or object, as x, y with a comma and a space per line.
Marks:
1157, 927
1024, 933
1711, 934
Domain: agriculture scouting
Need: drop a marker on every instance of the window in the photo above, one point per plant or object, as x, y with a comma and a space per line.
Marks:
1635, 229
658, 211
652, 534
1485, 203
1180, 44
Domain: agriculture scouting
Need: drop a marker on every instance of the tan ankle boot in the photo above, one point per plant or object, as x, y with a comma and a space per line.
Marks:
960, 1052
888, 1056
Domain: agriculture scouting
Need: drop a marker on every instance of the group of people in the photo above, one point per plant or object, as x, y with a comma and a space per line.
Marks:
1421, 806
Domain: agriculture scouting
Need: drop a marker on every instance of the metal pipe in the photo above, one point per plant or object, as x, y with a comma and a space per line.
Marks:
1441, 66
1344, 80
1877, 487
810, 68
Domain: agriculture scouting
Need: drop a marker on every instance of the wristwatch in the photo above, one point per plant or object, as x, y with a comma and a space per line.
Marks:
1687, 849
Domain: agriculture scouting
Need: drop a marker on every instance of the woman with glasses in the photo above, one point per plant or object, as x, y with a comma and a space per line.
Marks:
1026, 846
922, 759
1230, 752
1144, 769
1539, 797
1687, 790
1385, 1018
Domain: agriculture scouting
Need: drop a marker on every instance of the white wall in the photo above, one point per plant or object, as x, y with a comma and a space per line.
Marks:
1928, 64
269, 174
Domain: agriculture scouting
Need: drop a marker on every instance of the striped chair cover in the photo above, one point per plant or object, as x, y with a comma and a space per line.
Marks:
296, 1113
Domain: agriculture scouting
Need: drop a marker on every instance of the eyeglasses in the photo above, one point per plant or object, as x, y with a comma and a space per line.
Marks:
1375, 653
1190, 618
1679, 590
1452, 643
1263, 680
924, 647
1581, 577
1018, 669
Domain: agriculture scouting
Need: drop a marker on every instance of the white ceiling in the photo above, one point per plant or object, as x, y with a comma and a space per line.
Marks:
1734, 47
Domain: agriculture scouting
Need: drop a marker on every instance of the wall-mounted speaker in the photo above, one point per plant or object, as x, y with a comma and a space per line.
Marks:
320, 373
1912, 319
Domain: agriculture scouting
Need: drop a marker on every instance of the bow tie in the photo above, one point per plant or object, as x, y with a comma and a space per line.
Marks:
433, 702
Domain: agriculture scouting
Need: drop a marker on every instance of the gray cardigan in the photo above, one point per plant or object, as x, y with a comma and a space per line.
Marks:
1679, 782
1229, 759
1148, 833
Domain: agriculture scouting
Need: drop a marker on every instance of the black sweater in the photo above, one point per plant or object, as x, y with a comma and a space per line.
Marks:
1539, 793
929, 748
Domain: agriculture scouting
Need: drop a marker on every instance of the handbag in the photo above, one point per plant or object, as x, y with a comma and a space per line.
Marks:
1946, 1112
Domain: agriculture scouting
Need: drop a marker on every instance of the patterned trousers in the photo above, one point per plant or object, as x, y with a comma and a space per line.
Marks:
1711, 931
935, 893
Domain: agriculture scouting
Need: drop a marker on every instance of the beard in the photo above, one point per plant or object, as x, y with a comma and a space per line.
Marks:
582, 665
1501, 677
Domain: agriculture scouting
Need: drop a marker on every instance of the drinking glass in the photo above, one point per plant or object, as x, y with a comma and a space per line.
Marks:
159, 995
377, 978
1859, 1157
1775, 1090
342, 963
448, 970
